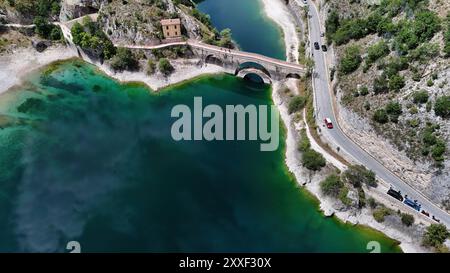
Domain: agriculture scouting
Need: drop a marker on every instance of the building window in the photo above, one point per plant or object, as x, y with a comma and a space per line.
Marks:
176, 33
167, 27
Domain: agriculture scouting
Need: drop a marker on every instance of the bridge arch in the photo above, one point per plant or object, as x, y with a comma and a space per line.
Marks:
250, 73
253, 66
212, 59
293, 75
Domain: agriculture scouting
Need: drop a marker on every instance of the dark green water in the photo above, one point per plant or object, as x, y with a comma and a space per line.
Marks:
85, 158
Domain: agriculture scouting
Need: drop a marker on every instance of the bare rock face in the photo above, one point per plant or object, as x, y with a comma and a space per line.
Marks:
41, 45
138, 21
71, 9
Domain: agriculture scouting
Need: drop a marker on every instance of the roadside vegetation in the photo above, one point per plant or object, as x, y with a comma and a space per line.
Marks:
353, 179
435, 237
383, 50
311, 159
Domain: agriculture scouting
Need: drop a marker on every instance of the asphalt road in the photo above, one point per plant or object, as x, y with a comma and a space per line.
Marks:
339, 139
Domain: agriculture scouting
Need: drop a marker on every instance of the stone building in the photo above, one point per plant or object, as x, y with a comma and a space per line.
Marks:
171, 28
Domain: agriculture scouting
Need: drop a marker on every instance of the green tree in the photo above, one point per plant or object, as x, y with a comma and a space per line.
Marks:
420, 97
377, 51
332, 185
394, 110
396, 82
442, 106
351, 60
407, 219
358, 174
313, 160
165, 66
225, 38
76, 31
124, 60
380, 116
43, 28
435, 235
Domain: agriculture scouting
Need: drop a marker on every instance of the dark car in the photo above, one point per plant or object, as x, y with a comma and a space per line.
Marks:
425, 213
324, 48
396, 194
316, 45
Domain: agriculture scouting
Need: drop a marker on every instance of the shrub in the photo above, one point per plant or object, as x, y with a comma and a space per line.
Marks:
364, 91
380, 116
407, 219
313, 160
124, 60
151, 67
442, 106
372, 203
420, 97
380, 85
351, 60
394, 110
343, 196
297, 103
438, 151
435, 235
380, 213
304, 144
47, 30
396, 82
358, 174
332, 185
377, 51
165, 66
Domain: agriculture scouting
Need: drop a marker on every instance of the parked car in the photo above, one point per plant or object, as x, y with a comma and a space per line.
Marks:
316, 45
328, 123
412, 204
396, 194
305, 2
425, 213
324, 48
322, 34
436, 219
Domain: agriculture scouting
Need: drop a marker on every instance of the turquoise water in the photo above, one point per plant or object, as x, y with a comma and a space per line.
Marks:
251, 28
85, 158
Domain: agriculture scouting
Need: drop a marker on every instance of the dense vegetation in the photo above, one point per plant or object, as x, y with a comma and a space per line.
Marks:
311, 159
124, 60
351, 60
403, 44
297, 103
435, 236
355, 176
47, 30
90, 37
43, 8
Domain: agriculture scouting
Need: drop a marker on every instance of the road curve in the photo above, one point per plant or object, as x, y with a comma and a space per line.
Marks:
324, 108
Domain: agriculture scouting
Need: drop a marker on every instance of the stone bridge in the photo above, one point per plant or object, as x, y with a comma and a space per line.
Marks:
237, 62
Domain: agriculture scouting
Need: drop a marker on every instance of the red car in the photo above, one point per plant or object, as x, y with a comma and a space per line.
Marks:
328, 123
